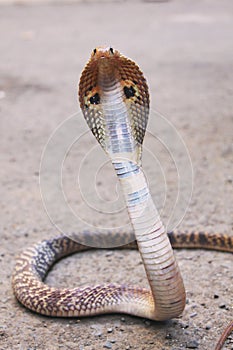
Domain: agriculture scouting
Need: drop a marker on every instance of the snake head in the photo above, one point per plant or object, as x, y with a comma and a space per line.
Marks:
114, 99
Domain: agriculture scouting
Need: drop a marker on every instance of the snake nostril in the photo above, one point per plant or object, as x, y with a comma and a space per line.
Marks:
94, 51
111, 50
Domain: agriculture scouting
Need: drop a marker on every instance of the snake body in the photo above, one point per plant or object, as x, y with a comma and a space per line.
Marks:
34, 263
114, 99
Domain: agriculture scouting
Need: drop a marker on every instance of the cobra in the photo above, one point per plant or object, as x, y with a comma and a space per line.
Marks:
114, 99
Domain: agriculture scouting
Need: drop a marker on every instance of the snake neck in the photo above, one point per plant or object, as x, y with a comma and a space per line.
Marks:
119, 140
162, 270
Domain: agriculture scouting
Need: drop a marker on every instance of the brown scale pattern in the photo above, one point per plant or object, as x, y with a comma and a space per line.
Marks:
33, 293
199, 239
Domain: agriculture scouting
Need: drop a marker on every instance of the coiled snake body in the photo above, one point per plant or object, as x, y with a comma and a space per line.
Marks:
114, 99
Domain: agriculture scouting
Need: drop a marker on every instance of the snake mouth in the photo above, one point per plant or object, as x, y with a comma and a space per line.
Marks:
105, 58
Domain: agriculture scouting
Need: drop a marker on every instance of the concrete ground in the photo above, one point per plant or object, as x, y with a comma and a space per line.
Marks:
185, 50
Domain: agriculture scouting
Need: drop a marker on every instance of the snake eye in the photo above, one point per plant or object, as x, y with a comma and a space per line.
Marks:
94, 51
129, 91
95, 99
111, 50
